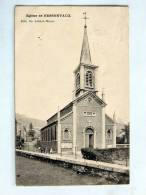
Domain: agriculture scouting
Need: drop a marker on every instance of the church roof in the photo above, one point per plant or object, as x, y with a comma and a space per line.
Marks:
93, 95
53, 118
108, 119
85, 57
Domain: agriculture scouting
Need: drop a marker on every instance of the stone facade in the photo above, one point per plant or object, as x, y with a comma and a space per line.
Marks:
90, 120
89, 127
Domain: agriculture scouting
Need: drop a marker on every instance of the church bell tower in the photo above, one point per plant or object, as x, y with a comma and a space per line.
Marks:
85, 73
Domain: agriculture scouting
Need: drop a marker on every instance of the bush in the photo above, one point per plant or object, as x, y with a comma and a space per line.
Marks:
38, 144
88, 153
19, 142
105, 155
92, 154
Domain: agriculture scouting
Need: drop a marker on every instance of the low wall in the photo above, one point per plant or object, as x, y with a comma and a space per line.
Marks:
120, 153
122, 145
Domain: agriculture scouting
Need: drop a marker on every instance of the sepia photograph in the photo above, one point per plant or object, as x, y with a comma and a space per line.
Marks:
72, 123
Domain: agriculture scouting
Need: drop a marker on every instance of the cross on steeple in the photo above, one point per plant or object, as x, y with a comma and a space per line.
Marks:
85, 18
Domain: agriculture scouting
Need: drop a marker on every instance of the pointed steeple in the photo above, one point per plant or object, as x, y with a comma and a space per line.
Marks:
85, 52
85, 73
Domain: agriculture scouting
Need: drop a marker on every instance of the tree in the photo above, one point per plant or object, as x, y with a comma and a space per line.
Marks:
24, 128
126, 131
124, 137
30, 126
19, 142
31, 132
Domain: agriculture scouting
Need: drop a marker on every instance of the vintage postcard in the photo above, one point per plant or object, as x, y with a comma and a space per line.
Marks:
72, 95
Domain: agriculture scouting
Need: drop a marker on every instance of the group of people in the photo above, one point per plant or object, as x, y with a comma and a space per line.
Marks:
45, 150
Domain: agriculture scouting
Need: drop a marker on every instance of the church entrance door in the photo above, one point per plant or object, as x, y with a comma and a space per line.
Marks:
89, 138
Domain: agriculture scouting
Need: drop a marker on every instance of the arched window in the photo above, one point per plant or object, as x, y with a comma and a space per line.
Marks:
89, 79
78, 80
109, 133
67, 134
89, 131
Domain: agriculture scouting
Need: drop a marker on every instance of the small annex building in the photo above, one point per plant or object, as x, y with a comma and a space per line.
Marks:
83, 122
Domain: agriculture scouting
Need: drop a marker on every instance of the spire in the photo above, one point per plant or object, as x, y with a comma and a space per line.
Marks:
85, 52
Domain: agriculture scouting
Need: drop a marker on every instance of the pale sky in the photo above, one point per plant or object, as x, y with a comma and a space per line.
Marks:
47, 53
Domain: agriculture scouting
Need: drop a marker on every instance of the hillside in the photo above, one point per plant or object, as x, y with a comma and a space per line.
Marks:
24, 121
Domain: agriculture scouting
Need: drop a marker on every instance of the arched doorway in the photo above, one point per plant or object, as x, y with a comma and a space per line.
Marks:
89, 137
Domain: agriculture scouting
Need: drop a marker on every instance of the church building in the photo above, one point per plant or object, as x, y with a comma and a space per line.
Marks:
83, 122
